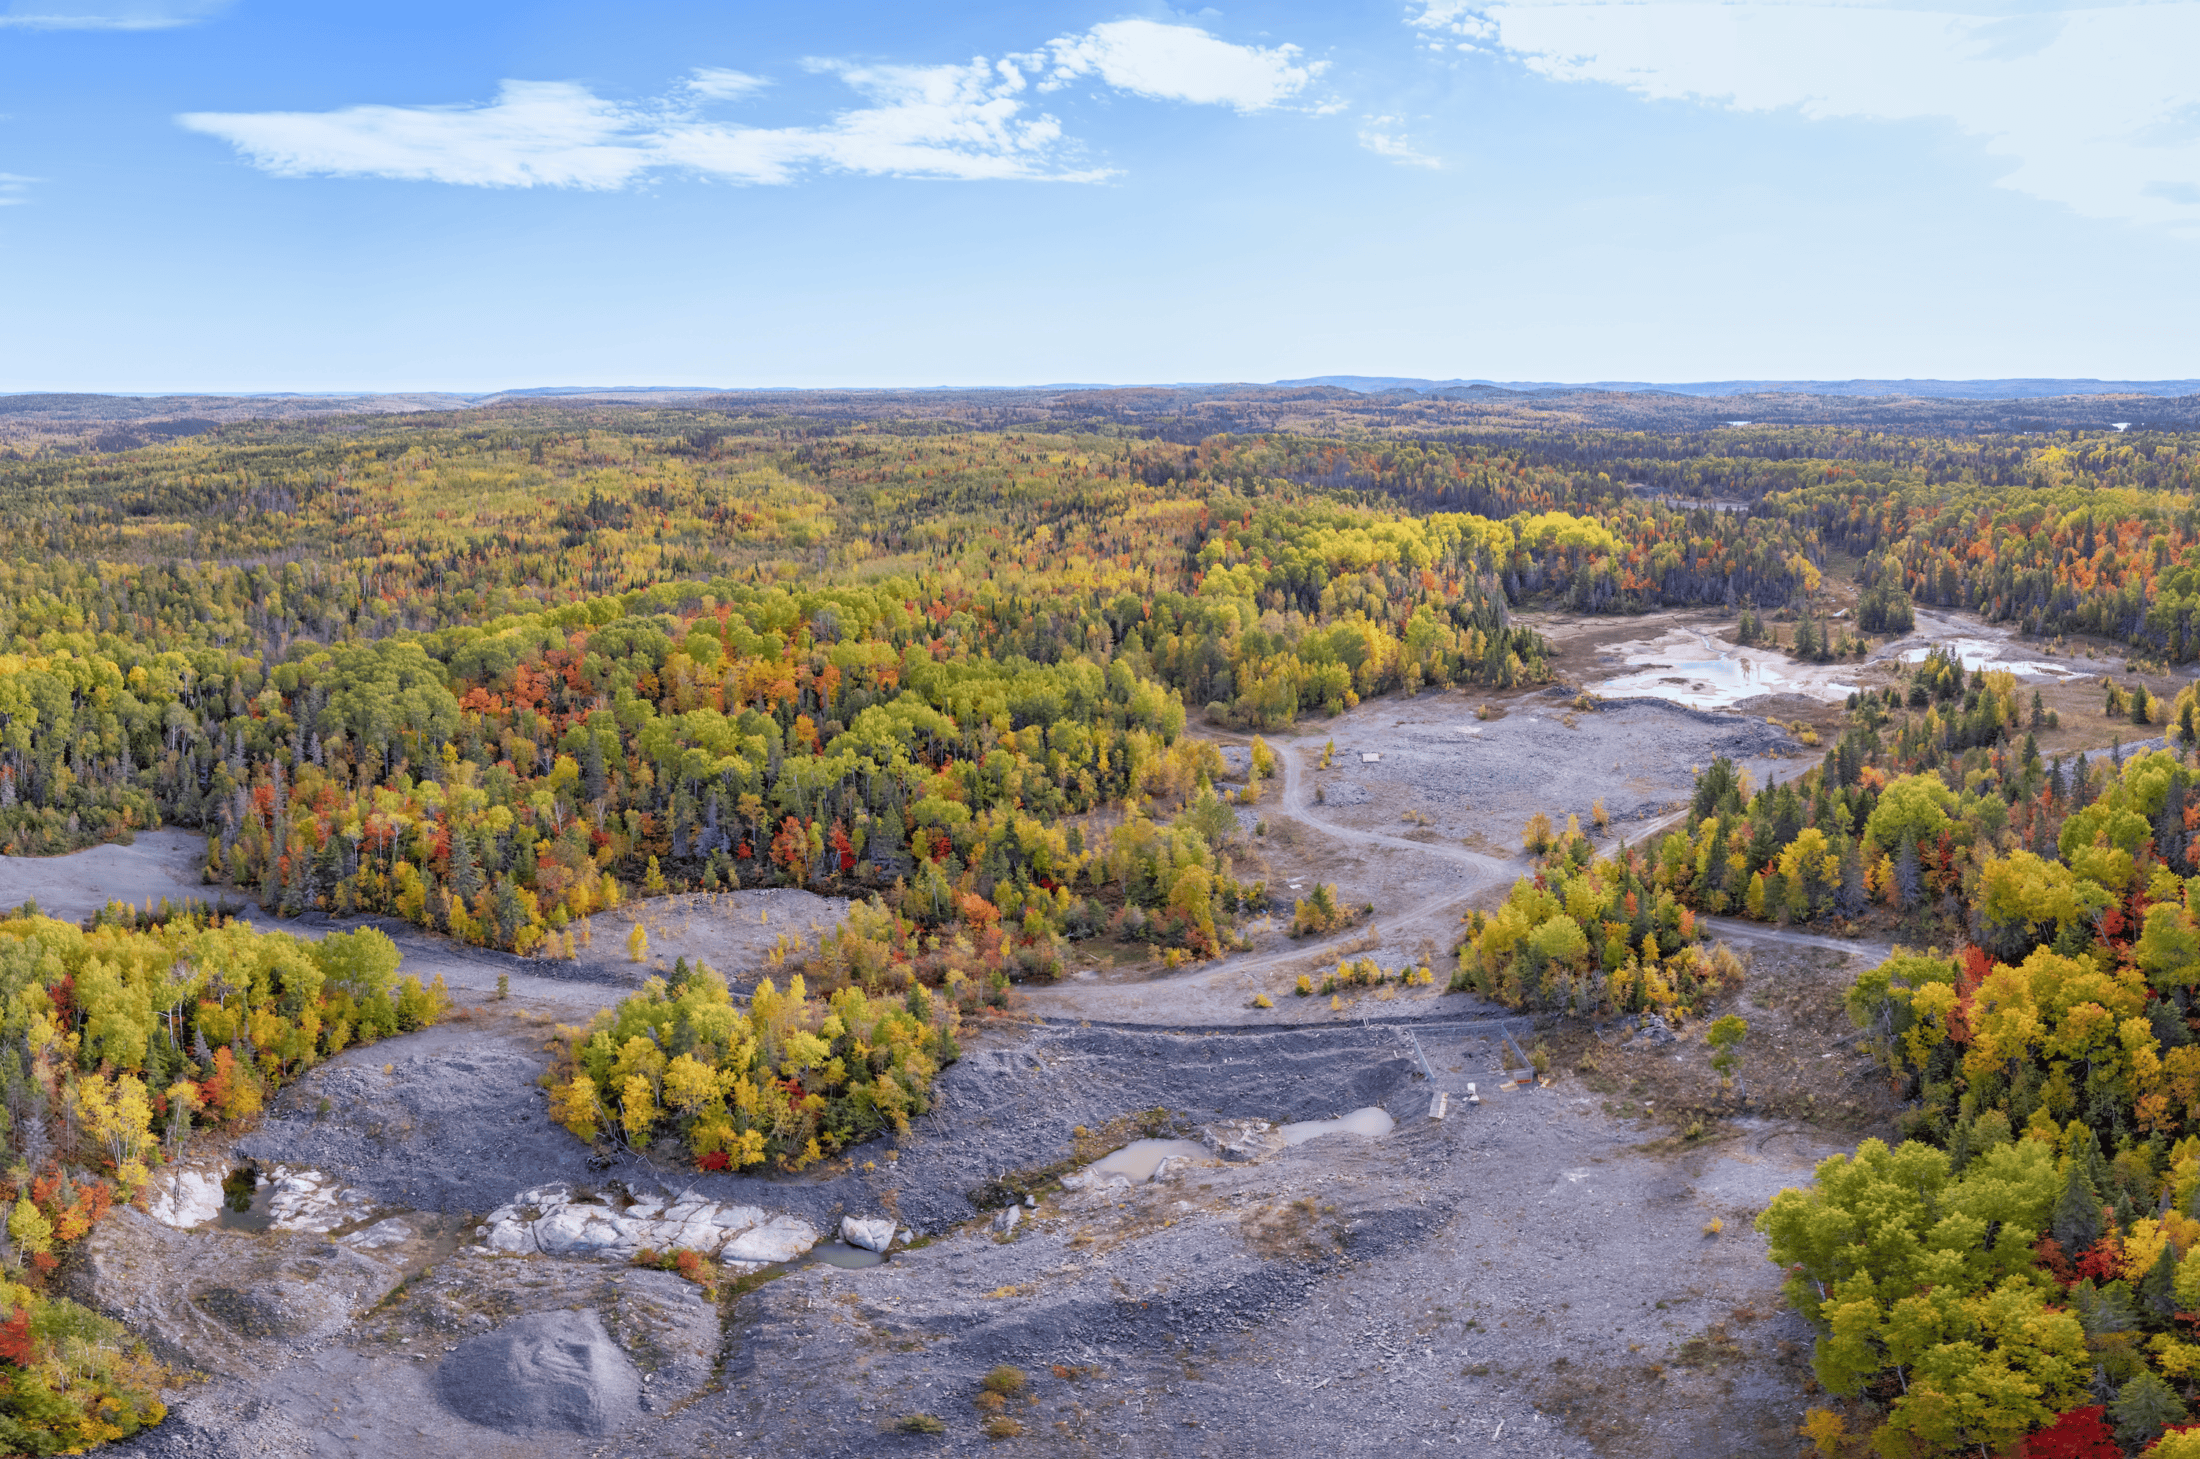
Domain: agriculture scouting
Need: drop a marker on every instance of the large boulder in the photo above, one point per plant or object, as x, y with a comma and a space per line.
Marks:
782, 1238
1242, 1139
875, 1234
184, 1198
546, 1370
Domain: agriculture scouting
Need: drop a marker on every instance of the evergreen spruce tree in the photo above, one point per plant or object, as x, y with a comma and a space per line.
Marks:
594, 777
1852, 899
2157, 1289
1908, 877
2144, 1407
465, 876
2087, 1145
2075, 1222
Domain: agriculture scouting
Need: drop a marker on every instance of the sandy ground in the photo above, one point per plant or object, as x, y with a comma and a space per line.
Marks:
163, 863
734, 932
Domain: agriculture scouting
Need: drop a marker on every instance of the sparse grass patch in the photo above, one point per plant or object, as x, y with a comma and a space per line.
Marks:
1287, 1231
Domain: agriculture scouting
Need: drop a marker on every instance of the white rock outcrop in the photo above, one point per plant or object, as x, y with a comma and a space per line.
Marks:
553, 1221
379, 1236
296, 1200
873, 1235
186, 1198
307, 1200
782, 1238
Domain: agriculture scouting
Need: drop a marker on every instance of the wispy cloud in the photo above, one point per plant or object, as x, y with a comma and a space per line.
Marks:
2094, 106
1181, 63
536, 133
716, 83
968, 121
1380, 135
960, 122
13, 188
1459, 23
108, 14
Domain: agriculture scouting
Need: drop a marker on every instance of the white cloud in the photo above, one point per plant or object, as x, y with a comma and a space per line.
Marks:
12, 189
960, 122
1182, 63
716, 83
2097, 108
548, 133
971, 121
933, 121
1455, 17
1381, 136
108, 14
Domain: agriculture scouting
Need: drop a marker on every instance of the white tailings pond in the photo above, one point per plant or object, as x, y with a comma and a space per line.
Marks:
1979, 653
1688, 666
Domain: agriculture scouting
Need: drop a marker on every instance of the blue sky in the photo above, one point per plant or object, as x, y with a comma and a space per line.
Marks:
200, 195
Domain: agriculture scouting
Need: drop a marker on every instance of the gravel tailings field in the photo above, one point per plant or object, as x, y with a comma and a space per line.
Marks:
1526, 1277
1486, 777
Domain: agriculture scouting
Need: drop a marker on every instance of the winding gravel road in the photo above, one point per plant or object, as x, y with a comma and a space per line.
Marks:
1220, 993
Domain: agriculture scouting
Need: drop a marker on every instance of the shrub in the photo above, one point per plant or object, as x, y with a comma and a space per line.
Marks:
1005, 1381
1317, 911
1536, 834
1001, 1426
921, 1423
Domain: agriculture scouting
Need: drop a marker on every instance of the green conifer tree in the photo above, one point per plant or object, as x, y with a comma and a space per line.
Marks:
2076, 1220
2144, 1407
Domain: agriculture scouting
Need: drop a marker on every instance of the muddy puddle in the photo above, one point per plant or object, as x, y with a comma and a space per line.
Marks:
1370, 1121
1140, 1158
840, 1254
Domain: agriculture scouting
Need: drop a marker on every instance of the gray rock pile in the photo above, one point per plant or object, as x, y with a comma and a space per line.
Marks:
546, 1370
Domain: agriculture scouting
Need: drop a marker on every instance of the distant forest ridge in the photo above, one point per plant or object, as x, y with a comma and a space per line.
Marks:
2010, 389
70, 423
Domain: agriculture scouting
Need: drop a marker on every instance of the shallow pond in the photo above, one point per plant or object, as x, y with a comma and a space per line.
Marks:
1139, 1158
245, 1200
840, 1254
1369, 1121
1978, 653
1714, 683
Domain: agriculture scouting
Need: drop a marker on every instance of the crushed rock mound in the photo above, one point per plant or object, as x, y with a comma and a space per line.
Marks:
547, 1370
222, 1301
